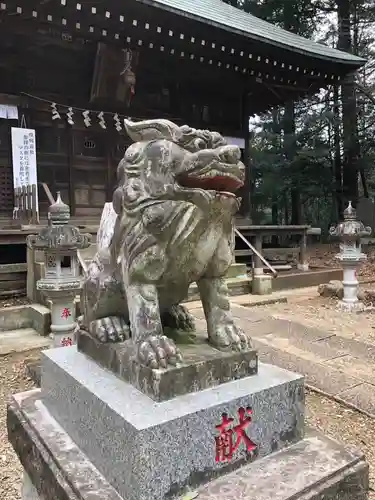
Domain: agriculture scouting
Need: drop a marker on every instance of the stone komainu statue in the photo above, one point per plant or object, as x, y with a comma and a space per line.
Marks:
171, 224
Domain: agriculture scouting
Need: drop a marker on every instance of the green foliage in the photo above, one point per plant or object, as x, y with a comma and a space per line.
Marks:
310, 168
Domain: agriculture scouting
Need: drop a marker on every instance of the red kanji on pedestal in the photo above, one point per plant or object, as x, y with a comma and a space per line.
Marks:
229, 439
66, 341
66, 313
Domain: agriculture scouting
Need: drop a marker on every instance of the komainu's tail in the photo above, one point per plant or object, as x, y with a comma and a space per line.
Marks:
106, 228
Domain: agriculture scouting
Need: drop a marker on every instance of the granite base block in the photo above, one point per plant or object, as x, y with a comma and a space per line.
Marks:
150, 450
203, 366
29, 492
315, 468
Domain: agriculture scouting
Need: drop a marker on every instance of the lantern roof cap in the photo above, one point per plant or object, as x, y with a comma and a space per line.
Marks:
350, 212
59, 235
59, 212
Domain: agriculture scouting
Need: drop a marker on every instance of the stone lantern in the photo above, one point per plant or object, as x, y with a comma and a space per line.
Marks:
60, 242
350, 232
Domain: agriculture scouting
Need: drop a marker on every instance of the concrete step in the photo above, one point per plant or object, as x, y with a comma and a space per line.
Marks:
34, 316
338, 366
236, 286
341, 367
331, 378
23, 339
237, 270
315, 468
303, 279
270, 253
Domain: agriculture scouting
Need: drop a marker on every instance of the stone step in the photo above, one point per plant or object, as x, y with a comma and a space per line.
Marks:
236, 286
26, 316
342, 368
270, 253
237, 270
317, 374
316, 467
23, 339
302, 279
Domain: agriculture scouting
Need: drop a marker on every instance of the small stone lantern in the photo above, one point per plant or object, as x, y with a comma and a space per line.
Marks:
350, 232
60, 242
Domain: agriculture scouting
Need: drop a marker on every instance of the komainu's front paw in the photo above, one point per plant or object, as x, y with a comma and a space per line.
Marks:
158, 352
110, 329
178, 317
228, 335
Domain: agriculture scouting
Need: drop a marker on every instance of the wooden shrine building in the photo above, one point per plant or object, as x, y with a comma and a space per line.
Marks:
74, 69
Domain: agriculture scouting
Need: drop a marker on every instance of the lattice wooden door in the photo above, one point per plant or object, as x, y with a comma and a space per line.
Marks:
6, 188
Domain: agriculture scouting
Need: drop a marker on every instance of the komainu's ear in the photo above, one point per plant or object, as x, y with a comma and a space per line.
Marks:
150, 130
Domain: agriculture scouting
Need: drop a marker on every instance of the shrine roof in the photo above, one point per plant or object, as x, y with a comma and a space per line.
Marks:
221, 15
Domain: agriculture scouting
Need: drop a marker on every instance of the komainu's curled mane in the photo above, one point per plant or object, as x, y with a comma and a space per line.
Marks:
170, 224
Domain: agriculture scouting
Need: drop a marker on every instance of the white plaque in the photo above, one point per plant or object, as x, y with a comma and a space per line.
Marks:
24, 158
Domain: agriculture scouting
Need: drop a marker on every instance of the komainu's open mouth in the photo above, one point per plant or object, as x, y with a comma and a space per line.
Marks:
215, 170
216, 181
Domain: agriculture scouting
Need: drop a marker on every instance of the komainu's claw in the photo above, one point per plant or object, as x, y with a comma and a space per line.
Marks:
110, 329
159, 352
229, 335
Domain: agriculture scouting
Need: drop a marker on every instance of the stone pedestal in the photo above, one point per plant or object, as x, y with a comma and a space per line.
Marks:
155, 450
261, 284
63, 317
303, 264
88, 434
29, 492
350, 283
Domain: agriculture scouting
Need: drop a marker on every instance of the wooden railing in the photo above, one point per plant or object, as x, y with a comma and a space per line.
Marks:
255, 251
47, 190
25, 204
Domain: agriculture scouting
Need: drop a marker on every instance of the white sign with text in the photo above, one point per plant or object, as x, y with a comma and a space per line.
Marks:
24, 158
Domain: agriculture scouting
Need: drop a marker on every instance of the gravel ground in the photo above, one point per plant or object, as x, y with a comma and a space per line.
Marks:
14, 301
329, 417
13, 380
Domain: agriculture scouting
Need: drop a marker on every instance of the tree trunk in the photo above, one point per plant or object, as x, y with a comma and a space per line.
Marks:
291, 24
349, 109
290, 151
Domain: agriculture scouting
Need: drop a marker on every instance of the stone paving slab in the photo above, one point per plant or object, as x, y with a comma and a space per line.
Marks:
340, 367
363, 371
298, 332
318, 351
361, 396
319, 376
354, 347
239, 312
248, 313
23, 339
313, 469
